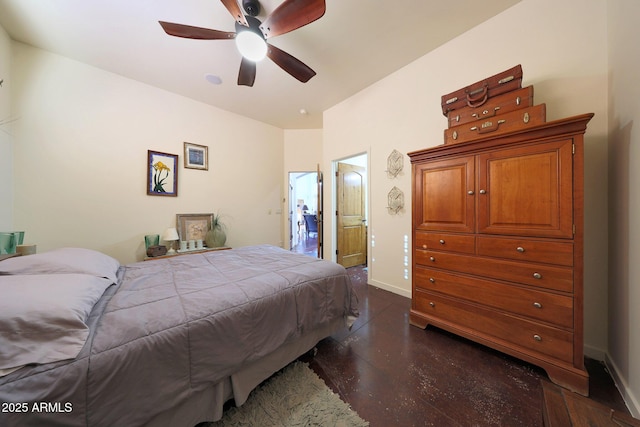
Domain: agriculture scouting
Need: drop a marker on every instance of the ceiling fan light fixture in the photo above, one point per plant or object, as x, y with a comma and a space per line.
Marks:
251, 45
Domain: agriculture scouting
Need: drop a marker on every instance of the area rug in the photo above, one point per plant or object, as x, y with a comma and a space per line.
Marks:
294, 397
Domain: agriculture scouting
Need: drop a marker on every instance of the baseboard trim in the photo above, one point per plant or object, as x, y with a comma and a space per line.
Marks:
391, 288
627, 394
594, 353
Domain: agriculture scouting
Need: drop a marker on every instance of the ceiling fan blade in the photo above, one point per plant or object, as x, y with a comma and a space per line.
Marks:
291, 15
189, 32
247, 74
291, 65
235, 11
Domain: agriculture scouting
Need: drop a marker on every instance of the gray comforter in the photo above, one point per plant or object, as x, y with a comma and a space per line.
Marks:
174, 326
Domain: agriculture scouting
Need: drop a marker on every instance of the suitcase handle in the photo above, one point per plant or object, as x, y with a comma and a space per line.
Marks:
477, 97
488, 126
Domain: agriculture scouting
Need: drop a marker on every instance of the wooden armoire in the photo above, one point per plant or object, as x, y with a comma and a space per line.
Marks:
498, 244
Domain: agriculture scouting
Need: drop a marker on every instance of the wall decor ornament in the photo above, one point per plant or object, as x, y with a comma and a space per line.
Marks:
162, 174
395, 164
193, 226
395, 200
196, 156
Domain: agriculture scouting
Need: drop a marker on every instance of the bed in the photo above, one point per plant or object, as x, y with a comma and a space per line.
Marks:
165, 342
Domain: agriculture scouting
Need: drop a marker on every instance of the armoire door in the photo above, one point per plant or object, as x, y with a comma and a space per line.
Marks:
445, 195
527, 191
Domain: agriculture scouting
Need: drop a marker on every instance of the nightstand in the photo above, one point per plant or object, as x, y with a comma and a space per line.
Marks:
5, 256
194, 251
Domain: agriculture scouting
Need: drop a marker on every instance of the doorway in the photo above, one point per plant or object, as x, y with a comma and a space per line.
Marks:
351, 215
305, 213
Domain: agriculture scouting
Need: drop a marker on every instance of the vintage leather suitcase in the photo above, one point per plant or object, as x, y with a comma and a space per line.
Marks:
497, 125
510, 101
477, 94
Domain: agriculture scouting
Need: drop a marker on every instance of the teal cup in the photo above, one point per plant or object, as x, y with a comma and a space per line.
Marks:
8, 243
19, 237
151, 240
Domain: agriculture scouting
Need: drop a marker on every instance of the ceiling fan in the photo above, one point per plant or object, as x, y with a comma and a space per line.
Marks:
251, 35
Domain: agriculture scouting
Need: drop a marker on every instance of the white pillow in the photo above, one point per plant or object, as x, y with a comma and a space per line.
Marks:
42, 317
64, 260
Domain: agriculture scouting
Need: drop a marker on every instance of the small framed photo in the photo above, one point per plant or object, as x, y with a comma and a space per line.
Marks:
196, 156
162, 174
193, 226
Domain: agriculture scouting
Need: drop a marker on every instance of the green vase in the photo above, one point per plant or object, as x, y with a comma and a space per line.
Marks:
216, 238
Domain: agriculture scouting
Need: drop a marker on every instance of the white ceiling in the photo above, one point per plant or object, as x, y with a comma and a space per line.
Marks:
355, 43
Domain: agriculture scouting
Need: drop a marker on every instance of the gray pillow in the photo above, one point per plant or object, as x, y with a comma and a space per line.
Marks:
64, 260
42, 317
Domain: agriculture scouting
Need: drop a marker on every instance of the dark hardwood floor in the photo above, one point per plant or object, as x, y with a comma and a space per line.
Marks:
395, 374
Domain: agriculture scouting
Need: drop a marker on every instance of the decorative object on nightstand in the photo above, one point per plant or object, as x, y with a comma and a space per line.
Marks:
156, 251
193, 226
8, 243
26, 249
10, 240
170, 235
216, 237
151, 240
152, 245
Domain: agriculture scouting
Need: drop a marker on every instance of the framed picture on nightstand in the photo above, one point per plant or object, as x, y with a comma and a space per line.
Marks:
193, 226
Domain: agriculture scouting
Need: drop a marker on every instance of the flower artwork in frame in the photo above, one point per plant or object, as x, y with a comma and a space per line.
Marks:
162, 174
196, 156
193, 226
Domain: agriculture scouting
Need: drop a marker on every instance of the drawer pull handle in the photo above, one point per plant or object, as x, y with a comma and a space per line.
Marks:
537, 337
441, 242
537, 305
432, 280
424, 246
432, 304
432, 259
520, 249
483, 191
470, 192
537, 276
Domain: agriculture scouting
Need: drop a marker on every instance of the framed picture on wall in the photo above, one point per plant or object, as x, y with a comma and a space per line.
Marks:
196, 156
162, 174
193, 226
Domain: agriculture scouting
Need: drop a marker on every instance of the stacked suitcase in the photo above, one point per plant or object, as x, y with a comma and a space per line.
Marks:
491, 107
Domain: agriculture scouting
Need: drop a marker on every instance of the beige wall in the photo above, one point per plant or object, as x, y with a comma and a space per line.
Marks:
81, 151
6, 146
624, 199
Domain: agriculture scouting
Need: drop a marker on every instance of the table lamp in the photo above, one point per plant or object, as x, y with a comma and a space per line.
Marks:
170, 235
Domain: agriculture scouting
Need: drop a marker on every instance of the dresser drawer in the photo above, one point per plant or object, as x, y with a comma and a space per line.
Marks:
537, 305
505, 329
543, 276
560, 253
446, 242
